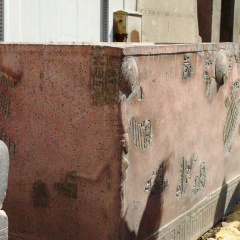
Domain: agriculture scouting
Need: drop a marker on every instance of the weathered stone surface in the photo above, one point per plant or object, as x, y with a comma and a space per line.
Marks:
120, 141
169, 21
188, 117
63, 136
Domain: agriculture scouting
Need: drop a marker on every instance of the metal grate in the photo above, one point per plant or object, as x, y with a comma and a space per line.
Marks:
105, 20
1, 20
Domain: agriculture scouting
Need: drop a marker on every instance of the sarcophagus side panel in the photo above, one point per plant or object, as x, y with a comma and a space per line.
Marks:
183, 151
59, 118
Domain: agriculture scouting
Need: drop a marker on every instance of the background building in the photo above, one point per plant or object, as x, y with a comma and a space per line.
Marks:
171, 21
62, 20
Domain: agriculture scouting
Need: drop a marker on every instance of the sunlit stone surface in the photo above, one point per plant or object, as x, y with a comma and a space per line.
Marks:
120, 141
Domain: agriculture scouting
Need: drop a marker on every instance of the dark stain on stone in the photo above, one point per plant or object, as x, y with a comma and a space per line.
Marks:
134, 36
16, 75
120, 37
40, 194
104, 78
68, 186
8, 78
41, 75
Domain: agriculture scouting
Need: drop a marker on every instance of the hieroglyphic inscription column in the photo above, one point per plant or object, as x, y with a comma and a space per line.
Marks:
6, 82
104, 75
232, 116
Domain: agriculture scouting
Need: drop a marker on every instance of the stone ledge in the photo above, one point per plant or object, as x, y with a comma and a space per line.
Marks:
127, 49
202, 216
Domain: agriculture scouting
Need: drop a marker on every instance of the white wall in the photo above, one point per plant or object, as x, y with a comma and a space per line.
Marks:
129, 5
58, 20
52, 20
117, 5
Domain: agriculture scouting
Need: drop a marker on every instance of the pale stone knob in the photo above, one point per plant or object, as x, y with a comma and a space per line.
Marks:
4, 167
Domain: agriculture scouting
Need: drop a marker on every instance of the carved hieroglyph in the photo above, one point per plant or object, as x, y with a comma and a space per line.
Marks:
104, 78
232, 116
230, 63
216, 72
185, 175
141, 133
223, 64
5, 104
187, 67
200, 180
156, 184
7, 81
237, 57
209, 78
196, 221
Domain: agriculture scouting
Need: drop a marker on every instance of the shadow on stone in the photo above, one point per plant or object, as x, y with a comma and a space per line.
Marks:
220, 207
152, 215
234, 200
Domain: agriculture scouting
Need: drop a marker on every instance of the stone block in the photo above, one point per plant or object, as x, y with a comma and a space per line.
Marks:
236, 25
60, 118
120, 141
169, 21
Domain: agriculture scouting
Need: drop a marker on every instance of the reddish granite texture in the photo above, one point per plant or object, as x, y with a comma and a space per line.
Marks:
102, 153
64, 150
194, 141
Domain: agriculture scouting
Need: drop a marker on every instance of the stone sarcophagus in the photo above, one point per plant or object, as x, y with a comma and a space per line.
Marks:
120, 141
